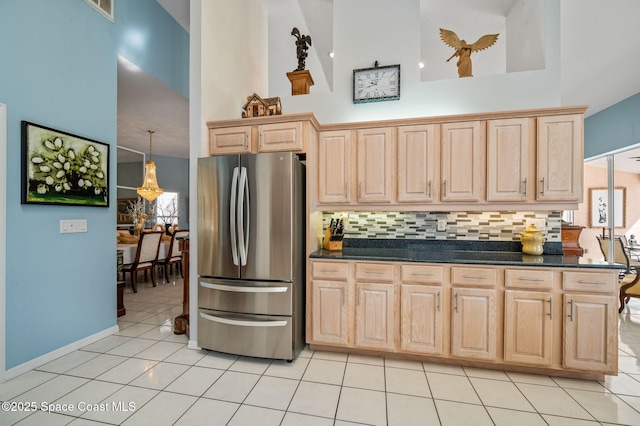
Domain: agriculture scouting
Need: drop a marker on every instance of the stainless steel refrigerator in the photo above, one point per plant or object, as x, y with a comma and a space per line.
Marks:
251, 245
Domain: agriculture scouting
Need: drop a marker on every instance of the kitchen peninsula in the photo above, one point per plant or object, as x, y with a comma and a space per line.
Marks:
432, 267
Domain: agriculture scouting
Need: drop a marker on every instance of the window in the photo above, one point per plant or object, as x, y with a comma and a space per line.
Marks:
103, 6
167, 208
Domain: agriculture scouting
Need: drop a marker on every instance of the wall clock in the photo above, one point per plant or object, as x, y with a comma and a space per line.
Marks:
376, 84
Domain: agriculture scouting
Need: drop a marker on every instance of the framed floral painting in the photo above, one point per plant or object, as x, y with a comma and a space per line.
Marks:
62, 168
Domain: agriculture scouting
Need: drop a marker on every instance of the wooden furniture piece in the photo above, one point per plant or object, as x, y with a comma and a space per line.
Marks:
516, 318
181, 322
120, 298
301, 82
630, 282
146, 258
570, 235
174, 255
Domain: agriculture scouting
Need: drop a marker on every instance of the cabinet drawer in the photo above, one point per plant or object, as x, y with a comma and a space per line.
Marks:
479, 277
330, 270
589, 281
528, 278
374, 272
421, 274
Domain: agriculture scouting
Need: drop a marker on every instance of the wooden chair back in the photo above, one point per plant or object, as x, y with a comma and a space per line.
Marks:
148, 247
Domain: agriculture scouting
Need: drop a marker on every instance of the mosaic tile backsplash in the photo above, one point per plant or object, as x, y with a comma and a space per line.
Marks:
471, 226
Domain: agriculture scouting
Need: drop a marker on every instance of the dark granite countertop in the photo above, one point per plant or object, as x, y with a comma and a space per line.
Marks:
447, 251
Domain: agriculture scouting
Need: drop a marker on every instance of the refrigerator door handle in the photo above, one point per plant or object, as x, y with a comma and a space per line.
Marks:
232, 216
244, 323
239, 289
243, 229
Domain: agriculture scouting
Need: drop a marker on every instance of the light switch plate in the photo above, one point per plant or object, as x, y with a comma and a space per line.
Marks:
442, 225
72, 226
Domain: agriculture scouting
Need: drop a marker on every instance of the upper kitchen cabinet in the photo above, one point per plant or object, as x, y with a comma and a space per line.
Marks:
560, 158
334, 167
262, 134
415, 170
510, 152
375, 151
462, 165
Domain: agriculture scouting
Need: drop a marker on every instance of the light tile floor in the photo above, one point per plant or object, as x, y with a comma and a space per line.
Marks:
145, 375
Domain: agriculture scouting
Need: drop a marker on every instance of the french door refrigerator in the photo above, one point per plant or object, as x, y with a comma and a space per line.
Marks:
251, 245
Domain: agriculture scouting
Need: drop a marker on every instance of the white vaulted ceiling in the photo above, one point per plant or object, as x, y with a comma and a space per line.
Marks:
600, 64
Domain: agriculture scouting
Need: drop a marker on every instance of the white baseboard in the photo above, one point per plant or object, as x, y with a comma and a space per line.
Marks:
193, 344
48, 357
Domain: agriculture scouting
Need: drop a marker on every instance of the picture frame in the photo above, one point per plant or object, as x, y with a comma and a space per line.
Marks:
60, 168
376, 84
123, 214
598, 199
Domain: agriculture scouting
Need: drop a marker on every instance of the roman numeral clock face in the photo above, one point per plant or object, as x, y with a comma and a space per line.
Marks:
376, 84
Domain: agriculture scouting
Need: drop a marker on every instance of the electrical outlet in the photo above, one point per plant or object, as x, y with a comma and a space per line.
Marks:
442, 225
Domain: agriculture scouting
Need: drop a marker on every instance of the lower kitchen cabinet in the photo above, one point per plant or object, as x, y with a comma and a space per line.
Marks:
528, 332
421, 327
473, 324
590, 325
330, 312
375, 316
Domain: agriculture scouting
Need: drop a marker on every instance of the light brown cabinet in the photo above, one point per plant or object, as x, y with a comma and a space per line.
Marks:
473, 323
462, 163
375, 149
528, 327
509, 146
375, 318
560, 158
230, 140
334, 167
330, 307
416, 163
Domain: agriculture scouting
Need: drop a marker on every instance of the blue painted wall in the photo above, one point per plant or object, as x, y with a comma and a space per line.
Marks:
613, 128
59, 69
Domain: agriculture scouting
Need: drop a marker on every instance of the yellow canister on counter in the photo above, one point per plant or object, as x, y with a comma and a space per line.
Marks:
532, 240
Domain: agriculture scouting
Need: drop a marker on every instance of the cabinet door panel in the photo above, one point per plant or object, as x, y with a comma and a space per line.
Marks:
280, 137
375, 165
375, 318
334, 165
415, 169
560, 158
230, 140
473, 324
528, 331
590, 324
463, 161
421, 325
508, 159
330, 315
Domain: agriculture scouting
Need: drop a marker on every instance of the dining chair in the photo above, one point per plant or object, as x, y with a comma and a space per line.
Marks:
630, 279
634, 254
174, 255
146, 258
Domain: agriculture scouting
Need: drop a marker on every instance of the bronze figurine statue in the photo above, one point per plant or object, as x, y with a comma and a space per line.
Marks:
464, 50
301, 47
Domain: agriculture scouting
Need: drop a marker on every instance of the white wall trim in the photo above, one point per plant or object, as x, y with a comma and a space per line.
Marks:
48, 357
3, 240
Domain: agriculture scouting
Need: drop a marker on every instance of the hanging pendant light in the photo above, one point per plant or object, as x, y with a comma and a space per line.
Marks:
150, 189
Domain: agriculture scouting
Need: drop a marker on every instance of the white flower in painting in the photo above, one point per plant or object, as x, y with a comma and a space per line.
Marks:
81, 183
49, 145
71, 154
91, 149
100, 175
42, 189
58, 188
45, 169
57, 165
97, 190
93, 167
87, 183
58, 143
66, 186
49, 180
61, 158
67, 165
82, 169
60, 174
95, 159
87, 163
37, 160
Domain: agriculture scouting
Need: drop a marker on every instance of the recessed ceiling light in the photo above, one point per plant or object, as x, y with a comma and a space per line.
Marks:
330, 54
421, 65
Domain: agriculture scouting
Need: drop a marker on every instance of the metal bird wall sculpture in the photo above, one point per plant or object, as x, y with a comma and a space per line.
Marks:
464, 50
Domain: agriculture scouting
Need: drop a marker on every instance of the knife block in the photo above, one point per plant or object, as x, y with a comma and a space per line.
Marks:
332, 245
